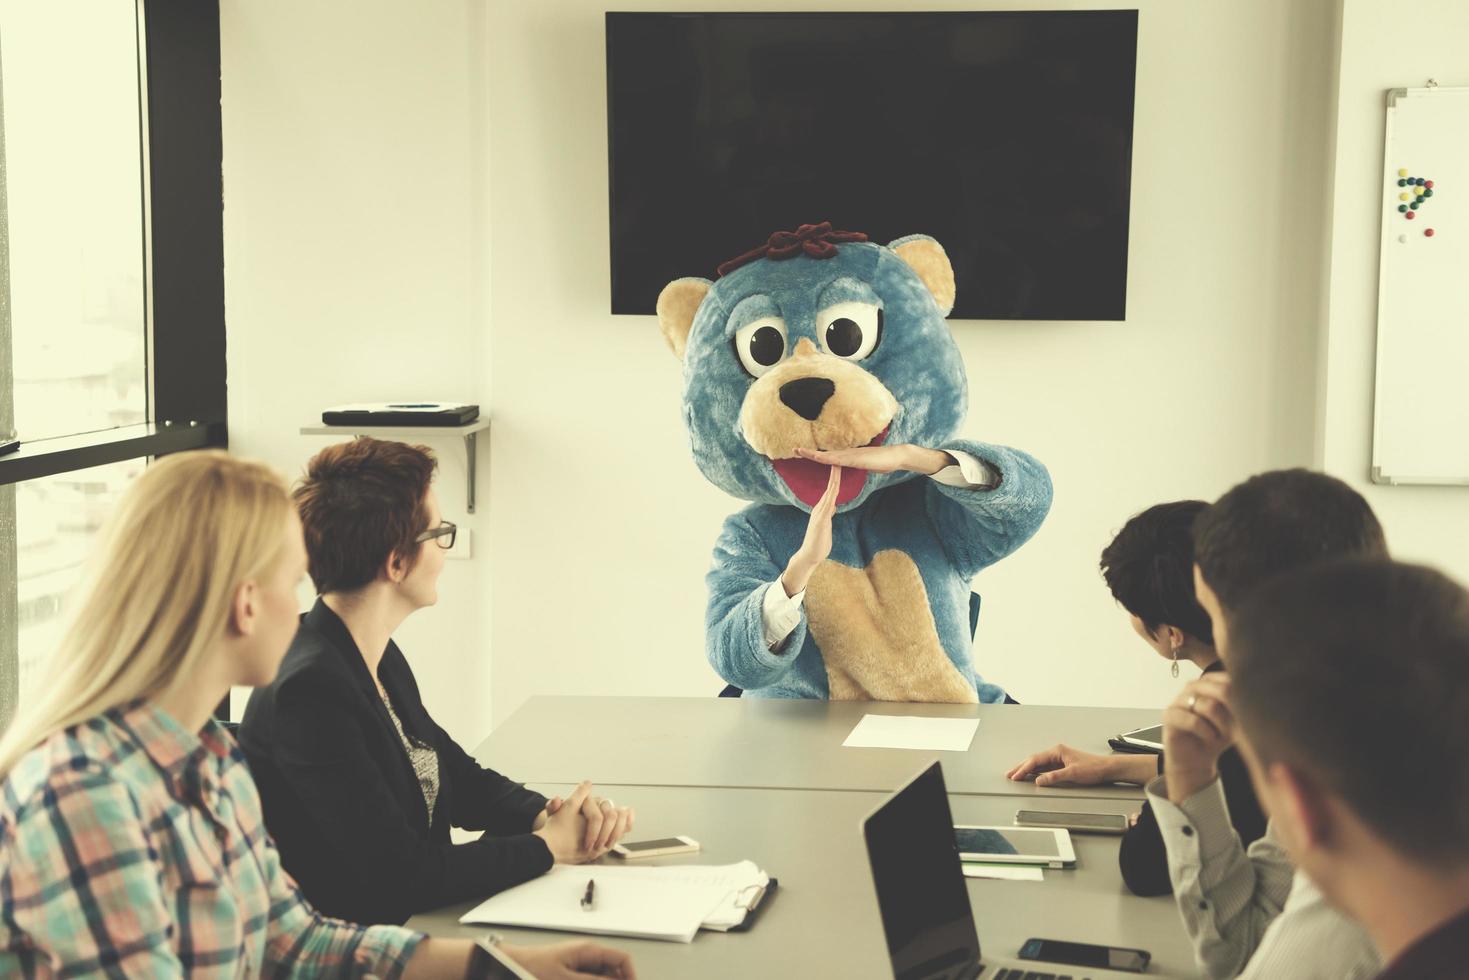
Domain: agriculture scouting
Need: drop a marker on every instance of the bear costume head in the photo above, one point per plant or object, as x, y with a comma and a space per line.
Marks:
817, 339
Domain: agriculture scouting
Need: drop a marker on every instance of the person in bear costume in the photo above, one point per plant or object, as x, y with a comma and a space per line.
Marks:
820, 381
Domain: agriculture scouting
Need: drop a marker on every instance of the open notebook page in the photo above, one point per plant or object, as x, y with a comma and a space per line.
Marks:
637, 902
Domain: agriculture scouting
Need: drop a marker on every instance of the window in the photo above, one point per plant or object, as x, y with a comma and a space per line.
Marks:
111, 282
74, 216
57, 519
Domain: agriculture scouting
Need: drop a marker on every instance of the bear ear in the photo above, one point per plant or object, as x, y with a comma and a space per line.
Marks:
677, 305
928, 259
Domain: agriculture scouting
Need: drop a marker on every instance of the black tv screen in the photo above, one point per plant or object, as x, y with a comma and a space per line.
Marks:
1007, 136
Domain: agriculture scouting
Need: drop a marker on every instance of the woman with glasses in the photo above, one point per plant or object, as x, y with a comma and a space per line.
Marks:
359, 784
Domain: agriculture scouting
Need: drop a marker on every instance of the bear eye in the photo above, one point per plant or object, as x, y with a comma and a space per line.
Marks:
761, 344
850, 330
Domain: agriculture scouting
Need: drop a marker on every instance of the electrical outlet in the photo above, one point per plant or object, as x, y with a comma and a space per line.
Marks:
461, 547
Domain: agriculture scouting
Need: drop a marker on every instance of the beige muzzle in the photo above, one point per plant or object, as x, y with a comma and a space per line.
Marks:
857, 411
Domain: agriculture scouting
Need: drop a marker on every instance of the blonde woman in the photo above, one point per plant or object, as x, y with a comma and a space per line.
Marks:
131, 841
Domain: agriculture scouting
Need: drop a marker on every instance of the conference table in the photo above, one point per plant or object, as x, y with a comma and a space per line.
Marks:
755, 743
770, 782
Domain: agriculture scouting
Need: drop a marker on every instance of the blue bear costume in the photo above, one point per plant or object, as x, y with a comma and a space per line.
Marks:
823, 340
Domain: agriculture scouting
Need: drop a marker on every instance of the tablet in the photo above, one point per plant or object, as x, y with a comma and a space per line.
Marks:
1016, 845
1145, 738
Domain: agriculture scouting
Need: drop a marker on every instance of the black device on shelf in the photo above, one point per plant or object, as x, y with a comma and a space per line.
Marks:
1005, 135
444, 414
9, 447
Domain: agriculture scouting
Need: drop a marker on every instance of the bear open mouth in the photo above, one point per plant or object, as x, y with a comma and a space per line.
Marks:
807, 478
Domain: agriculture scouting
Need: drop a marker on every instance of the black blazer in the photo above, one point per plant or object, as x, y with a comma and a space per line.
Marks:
1143, 857
342, 800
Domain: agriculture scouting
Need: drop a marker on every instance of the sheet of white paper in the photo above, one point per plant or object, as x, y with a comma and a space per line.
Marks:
908, 732
1006, 872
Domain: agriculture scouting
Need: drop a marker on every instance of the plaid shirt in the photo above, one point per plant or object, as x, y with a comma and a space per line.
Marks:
132, 847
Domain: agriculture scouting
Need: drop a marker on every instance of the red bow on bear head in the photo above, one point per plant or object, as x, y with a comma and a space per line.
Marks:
817, 241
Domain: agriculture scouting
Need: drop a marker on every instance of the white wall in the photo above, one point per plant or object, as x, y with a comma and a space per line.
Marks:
602, 527
354, 254
1381, 49
377, 156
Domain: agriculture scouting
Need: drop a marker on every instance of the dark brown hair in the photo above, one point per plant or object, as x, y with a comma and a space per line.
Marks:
360, 502
1149, 567
1356, 674
1279, 521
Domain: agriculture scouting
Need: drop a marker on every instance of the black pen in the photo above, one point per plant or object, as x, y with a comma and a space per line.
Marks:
589, 900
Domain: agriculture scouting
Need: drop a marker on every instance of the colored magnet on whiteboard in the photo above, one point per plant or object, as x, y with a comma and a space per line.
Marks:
1403, 196
1402, 238
1402, 183
1428, 184
1409, 215
1419, 181
1402, 207
1402, 173
1427, 232
1414, 205
1426, 192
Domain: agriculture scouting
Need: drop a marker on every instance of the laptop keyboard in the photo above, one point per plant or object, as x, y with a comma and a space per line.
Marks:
1028, 975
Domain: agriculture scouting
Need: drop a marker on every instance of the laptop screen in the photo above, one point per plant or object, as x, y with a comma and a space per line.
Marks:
920, 885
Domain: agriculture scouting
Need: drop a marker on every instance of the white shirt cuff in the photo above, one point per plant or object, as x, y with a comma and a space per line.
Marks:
969, 473
1196, 831
780, 614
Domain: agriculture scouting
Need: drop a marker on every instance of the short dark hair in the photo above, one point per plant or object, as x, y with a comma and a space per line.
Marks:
1149, 566
1278, 521
360, 502
1373, 699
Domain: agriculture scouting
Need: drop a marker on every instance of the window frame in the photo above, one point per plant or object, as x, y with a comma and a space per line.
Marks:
183, 253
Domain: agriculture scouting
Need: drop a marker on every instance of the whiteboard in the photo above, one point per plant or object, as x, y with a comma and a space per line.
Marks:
1420, 426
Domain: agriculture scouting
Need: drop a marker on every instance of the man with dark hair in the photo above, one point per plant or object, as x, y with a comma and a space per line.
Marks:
1248, 913
1384, 834
1273, 523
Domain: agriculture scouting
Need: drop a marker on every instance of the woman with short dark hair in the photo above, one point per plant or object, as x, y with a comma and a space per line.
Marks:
1149, 568
360, 785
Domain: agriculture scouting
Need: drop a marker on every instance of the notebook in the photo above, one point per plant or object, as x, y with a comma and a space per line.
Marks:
669, 903
745, 884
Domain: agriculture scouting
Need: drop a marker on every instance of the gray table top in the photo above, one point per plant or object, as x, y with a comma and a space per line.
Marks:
769, 744
823, 920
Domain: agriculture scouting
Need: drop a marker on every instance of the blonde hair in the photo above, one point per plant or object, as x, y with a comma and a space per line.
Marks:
158, 591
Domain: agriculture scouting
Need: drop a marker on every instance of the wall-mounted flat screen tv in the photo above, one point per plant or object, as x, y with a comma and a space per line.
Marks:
1005, 135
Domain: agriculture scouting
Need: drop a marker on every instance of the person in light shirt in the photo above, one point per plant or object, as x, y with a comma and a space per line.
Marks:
1350, 701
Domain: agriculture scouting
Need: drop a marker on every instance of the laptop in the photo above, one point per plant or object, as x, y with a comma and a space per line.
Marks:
922, 895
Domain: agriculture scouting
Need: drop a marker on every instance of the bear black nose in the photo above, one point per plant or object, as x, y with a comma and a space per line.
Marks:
806, 396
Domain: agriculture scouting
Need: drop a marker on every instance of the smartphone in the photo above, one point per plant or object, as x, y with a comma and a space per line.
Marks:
487, 961
1081, 823
655, 848
1085, 954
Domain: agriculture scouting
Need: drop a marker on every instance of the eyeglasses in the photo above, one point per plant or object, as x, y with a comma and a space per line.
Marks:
443, 535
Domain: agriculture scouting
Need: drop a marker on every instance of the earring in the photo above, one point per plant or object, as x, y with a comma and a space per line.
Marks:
1174, 669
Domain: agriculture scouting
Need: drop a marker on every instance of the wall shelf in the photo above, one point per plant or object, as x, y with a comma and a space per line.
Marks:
468, 432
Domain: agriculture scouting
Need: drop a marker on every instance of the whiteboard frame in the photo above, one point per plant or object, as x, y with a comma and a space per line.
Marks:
1389, 174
